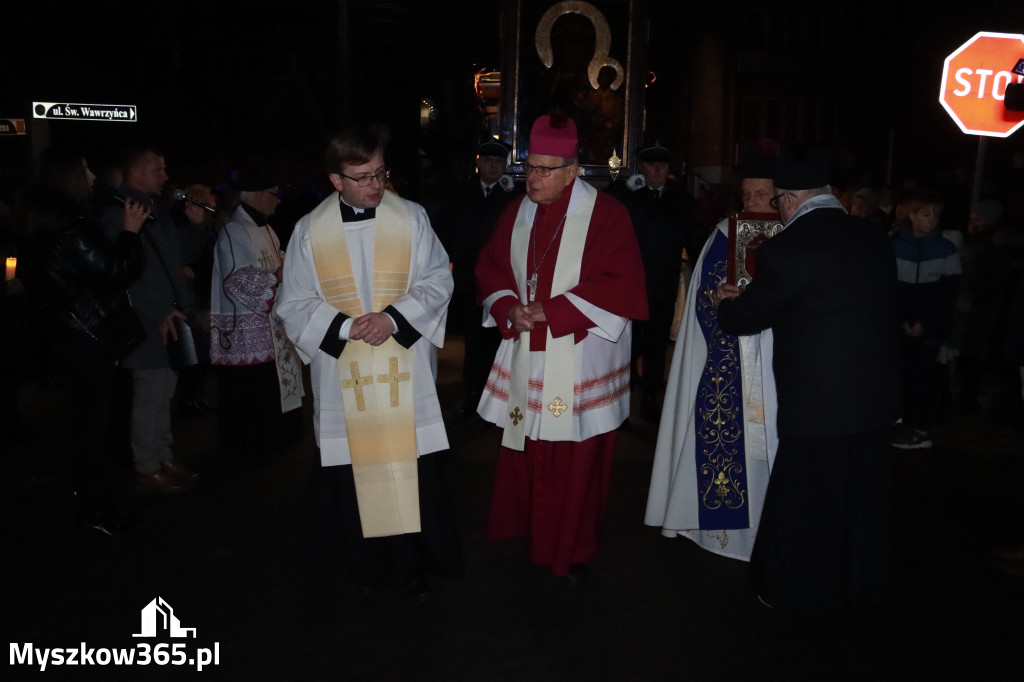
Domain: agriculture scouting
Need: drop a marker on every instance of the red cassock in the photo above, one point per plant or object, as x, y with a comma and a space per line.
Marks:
555, 492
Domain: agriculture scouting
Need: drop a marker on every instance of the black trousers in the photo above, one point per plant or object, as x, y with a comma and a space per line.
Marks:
249, 419
922, 381
651, 344
382, 562
89, 377
481, 346
824, 540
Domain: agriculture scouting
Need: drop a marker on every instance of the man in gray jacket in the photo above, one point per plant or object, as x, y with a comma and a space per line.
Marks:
160, 296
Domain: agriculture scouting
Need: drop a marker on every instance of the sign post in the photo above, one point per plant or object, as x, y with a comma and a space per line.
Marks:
973, 90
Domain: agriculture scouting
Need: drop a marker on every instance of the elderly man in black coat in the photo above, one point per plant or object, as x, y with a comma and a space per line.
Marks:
825, 285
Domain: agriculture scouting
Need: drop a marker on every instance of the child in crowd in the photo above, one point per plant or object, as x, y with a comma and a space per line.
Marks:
928, 267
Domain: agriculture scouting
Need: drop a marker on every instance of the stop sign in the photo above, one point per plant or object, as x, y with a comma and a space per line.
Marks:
974, 81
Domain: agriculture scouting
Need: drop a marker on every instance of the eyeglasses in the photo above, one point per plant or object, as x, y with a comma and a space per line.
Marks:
274, 192
365, 180
774, 201
542, 171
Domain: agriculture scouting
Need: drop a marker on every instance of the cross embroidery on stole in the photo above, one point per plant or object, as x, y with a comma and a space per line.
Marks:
557, 407
357, 382
393, 377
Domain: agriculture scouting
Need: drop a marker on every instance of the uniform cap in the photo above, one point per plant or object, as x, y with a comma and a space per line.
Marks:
654, 153
492, 147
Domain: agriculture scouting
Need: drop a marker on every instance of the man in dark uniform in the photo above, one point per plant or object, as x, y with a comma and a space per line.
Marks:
665, 219
826, 286
466, 225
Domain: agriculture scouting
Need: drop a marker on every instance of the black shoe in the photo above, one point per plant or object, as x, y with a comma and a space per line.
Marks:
109, 523
578, 576
160, 481
367, 591
191, 408
419, 588
912, 439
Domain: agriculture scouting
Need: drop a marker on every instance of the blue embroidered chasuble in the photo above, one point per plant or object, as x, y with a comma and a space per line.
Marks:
718, 411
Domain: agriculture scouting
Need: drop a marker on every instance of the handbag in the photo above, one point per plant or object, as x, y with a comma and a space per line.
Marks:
117, 334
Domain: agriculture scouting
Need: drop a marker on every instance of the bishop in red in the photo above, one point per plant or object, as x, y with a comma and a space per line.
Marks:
562, 279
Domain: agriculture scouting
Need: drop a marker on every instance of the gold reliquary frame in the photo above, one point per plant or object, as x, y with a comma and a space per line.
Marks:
585, 59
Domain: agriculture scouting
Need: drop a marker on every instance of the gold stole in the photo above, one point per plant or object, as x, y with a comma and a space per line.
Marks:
376, 381
558, 393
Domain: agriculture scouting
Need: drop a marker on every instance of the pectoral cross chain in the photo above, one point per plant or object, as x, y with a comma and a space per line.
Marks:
531, 283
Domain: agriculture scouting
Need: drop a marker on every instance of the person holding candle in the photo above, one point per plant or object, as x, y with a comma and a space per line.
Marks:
12, 336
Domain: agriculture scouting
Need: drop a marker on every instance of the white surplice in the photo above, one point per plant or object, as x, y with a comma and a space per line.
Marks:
673, 500
307, 317
600, 363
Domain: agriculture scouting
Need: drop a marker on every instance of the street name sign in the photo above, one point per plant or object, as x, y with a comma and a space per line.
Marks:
121, 113
12, 126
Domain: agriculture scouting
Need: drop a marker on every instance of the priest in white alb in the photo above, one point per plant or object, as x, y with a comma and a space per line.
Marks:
364, 299
717, 439
562, 278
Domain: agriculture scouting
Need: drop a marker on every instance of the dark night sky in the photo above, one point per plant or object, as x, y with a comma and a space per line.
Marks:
227, 79
219, 80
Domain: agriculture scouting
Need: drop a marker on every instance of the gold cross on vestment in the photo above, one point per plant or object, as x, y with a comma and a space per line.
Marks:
557, 407
393, 377
357, 382
516, 416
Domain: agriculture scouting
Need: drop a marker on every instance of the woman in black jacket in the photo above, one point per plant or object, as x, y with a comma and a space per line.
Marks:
78, 282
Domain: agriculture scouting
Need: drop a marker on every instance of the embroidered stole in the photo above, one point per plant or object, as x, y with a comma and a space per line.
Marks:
289, 371
286, 359
557, 404
719, 410
376, 382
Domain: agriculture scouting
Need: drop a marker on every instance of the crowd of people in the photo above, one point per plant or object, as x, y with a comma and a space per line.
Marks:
870, 316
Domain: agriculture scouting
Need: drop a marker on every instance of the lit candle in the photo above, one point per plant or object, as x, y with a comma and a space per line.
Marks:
12, 264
